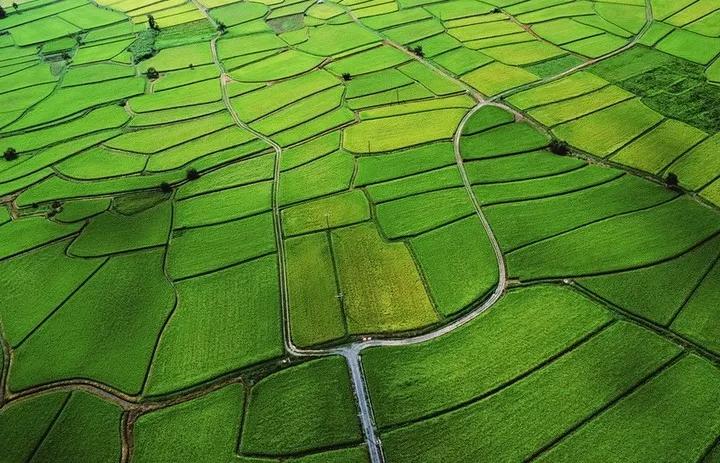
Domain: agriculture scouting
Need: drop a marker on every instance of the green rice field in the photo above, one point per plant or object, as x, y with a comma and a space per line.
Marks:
360, 231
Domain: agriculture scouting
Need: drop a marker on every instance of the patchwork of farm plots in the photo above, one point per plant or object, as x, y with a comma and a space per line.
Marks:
360, 231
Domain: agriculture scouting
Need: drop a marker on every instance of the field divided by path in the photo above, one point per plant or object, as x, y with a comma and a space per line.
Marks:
359, 231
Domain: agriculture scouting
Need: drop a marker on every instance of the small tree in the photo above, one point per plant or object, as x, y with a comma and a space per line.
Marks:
671, 180
346, 76
221, 27
418, 50
122, 103
192, 174
152, 23
559, 147
3, 13
496, 10
65, 55
152, 73
10, 154
165, 187
15, 6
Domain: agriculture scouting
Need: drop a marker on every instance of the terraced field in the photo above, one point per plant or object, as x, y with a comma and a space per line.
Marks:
360, 231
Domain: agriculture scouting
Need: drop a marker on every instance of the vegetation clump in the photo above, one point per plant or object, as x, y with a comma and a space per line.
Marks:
152, 23
3, 13
417, 51
10, 154
144, 46
152, 73
221, 27
165, 187
560, 147
671, 180
346, 76
192, 174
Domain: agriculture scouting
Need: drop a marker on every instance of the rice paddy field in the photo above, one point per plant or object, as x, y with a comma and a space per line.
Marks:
360, 231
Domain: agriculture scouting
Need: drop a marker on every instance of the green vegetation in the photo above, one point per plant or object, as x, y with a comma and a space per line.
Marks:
223, 205
391, 133
419, 213
604, 132
325, 213
658, 291
204, 428
645, 240
200, 250
373, 169
504, 424
458, 264
414, 184
144, 45
224, 320
527, 326
301, 408
381, 287
659, 426
316, 311
70, 426
657, 149
503, 140
520, 223
696, 320
221, 221
114, 345
496, 78
113, 232
329, 174
23, 308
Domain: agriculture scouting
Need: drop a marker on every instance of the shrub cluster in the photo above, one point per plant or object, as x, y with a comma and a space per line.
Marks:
417, 50
10, 154
560, 147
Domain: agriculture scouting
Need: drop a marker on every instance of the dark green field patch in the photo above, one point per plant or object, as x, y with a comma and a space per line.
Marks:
304, 407
522, 418
206, 428
525, 328
106, 331
458, 263
224, 321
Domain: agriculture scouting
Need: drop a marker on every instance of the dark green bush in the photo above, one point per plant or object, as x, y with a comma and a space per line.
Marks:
10, 154
152, 23
152, 73
559, 147
192, 174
